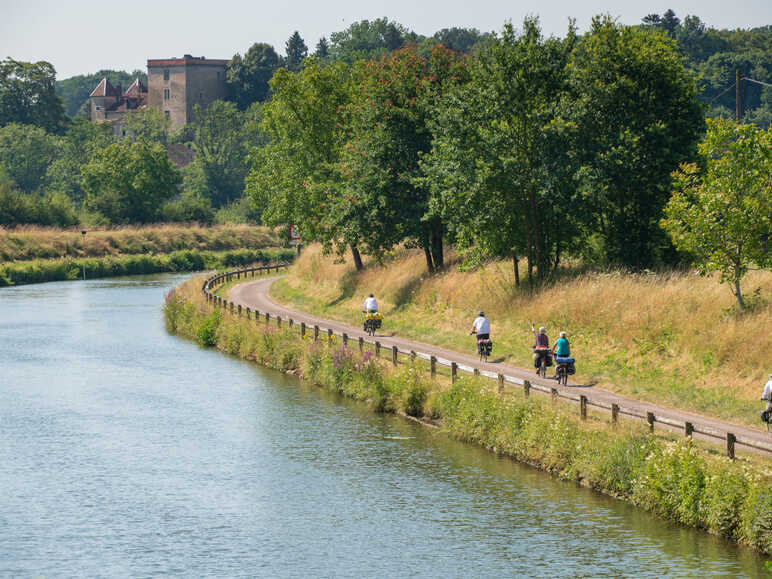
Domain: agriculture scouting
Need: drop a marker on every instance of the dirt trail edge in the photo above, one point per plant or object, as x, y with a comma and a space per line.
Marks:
254, 294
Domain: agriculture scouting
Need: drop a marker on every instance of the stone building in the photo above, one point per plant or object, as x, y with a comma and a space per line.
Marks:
175, 86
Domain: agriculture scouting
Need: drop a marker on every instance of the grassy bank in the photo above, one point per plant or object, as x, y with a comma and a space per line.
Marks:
675, 479
28, 243
42, 270
668, 338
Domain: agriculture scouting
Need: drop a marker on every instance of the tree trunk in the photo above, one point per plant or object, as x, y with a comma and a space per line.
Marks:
437, 250
738, 294
429, 262
557, 257
516, 266
357, 258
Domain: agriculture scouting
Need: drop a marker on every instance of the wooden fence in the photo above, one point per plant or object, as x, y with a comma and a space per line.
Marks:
583, 402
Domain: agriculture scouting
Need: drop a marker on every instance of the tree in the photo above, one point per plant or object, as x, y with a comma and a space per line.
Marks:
149, 124
221, 151
388, 121
369, 39
638, 115
322, 48
296, 50
26, 152
28, 96
292, 178
459, 39
127, 182
500, 166
247, 78
721, 213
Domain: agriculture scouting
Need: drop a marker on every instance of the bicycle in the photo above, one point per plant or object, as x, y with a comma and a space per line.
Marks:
545, 359
372, 323
564, 367
484, 348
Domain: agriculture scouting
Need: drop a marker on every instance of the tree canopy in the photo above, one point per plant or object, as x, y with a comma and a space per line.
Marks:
28, 95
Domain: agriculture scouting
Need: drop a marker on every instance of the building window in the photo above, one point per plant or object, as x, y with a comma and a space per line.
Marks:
167, 114
201, 97
166, 94
166, 74
98, 108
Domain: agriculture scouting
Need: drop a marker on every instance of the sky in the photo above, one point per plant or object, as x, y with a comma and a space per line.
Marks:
84, 36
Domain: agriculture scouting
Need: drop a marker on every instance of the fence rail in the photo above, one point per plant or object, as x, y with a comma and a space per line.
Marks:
583, 401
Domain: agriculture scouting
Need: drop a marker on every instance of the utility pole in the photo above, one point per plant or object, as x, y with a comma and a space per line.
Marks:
737, 99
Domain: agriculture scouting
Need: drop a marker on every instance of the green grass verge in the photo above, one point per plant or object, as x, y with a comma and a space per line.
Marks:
42, 270
675, 479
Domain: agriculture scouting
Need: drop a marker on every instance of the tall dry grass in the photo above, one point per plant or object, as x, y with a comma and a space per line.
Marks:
671, 338
27, 243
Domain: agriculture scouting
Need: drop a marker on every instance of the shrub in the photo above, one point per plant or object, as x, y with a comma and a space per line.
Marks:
206, 330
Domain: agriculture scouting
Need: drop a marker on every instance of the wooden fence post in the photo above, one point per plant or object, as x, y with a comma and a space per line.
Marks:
413, 355
650, 420
730, 440
453, 372
316, 333
377, 349
583, 406
688, 428
267, 318
302, 329
291, 322
476, 372
554, 393
526, 388
249, 312
433, 366
329, 331
345, 339
231, 307
394, 352
239, 310
500, 378
361, 344
614, 413
278, 321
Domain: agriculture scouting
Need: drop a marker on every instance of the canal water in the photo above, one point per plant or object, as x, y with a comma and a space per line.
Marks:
125, 452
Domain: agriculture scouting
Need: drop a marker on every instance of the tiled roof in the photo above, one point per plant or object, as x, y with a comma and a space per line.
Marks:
103, 89
136, 89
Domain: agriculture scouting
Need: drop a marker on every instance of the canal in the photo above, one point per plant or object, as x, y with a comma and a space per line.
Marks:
125, 451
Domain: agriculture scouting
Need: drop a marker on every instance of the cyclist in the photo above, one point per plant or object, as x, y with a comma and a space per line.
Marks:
766, 396
371, 305
541, 348
562, 348
482, 327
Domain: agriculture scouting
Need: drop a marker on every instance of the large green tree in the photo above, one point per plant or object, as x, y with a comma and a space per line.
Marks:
26, 152
248, 76
638, 113
220, 142
149, 124
721, 210
127, 182
28, 96
292, 177
388, 123
369, 39
500, 167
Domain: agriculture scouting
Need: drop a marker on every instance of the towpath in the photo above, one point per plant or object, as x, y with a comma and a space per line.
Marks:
254, 294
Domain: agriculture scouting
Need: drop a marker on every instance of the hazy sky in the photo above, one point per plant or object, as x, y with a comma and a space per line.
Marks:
80, 37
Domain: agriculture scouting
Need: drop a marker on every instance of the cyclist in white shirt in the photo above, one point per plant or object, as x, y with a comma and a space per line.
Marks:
482, 327
767, 394
371, 305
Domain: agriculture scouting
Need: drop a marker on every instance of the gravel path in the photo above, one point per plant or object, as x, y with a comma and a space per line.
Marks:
254, 294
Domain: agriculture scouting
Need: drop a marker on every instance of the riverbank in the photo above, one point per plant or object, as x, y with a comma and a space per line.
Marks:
44, 270
30, 243
667, 338
675, 479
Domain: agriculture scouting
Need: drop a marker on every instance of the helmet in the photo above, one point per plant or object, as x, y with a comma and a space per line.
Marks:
562, 334
372, 296
542, 330
481, 314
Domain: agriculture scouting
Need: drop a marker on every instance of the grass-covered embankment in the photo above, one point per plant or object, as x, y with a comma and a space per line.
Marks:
668, 338
674, 479
33, 254
28, 243
42, 270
